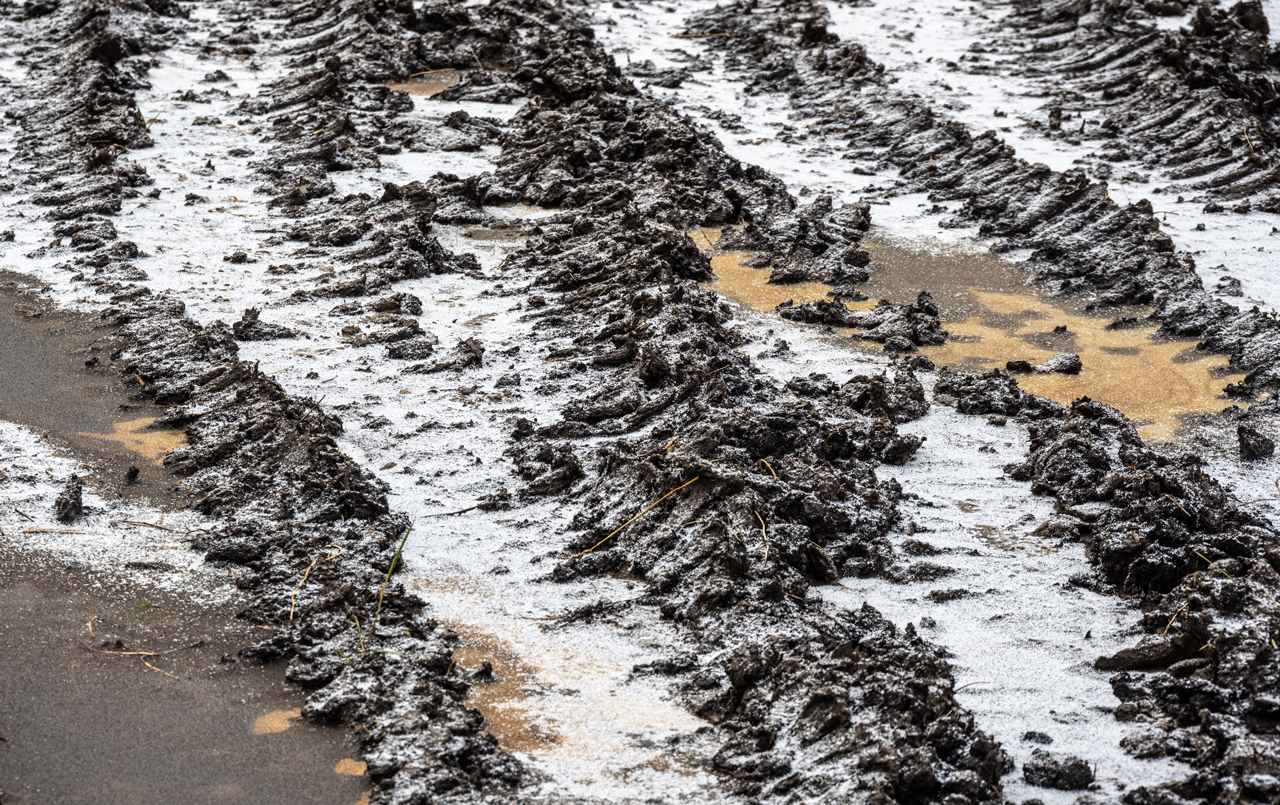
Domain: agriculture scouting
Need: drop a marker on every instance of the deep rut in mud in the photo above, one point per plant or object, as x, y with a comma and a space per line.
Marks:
438, 303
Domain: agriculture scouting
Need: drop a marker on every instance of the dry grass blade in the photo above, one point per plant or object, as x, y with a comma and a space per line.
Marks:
764, 533
633, 519
970, 684
140, 522
1179, 505
305, 576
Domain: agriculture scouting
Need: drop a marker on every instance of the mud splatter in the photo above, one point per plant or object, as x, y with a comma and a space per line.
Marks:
275, 721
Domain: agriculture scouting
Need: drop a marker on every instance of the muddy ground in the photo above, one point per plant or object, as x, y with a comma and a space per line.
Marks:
551, 388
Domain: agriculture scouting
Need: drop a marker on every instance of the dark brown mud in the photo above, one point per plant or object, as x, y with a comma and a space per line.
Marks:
754, 492
60, 380
1196, 104
1157, 527
124, 694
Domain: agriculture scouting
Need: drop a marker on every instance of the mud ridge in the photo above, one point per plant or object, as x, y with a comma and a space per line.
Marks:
787, 730
1082, 242
1195, 104
311, 526
1156, 527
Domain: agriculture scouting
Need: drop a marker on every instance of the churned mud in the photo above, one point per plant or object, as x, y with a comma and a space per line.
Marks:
665, 402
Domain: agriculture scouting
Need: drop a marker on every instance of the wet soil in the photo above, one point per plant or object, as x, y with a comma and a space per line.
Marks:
61, 380
120, 693
726, 495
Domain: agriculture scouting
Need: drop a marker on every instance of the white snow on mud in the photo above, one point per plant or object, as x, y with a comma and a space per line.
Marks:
124, 537
1025, 646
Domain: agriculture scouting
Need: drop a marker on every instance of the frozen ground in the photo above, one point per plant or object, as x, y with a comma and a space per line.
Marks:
1019, 639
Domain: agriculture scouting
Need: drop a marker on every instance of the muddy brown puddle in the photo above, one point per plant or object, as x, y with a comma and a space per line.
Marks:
83, 721
428, 84
551, 700
57, 380
994, 316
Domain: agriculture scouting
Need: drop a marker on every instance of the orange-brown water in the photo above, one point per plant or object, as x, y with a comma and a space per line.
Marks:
430, 83
995, 316
133, 436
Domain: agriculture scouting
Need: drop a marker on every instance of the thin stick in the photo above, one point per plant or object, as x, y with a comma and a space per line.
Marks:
311, 567
476, 57
962, 687
143, 653
139, 522
697, 36
1174, 618
764, 534
310, 408
429, 72
1179, 505
633, 519
771, 472
161, 670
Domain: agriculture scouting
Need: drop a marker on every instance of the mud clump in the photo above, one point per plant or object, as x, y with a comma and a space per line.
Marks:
1046, 771
1253, 444
901, 328
251, 328
69, 507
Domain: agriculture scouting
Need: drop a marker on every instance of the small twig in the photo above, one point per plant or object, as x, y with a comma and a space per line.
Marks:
633, 519
1168, 625
967, 684
1179, 505
450, 514
698, 36
197, 644
771, 472
153, 668
310, 408
311, 567
50, 530
140, 522
476, 57
429, 72
24, 514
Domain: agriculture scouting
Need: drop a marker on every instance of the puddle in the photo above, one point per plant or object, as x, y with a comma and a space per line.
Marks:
994, 316
431, 83
84, 723
505, 702
351, 768
133, 436
58, 381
